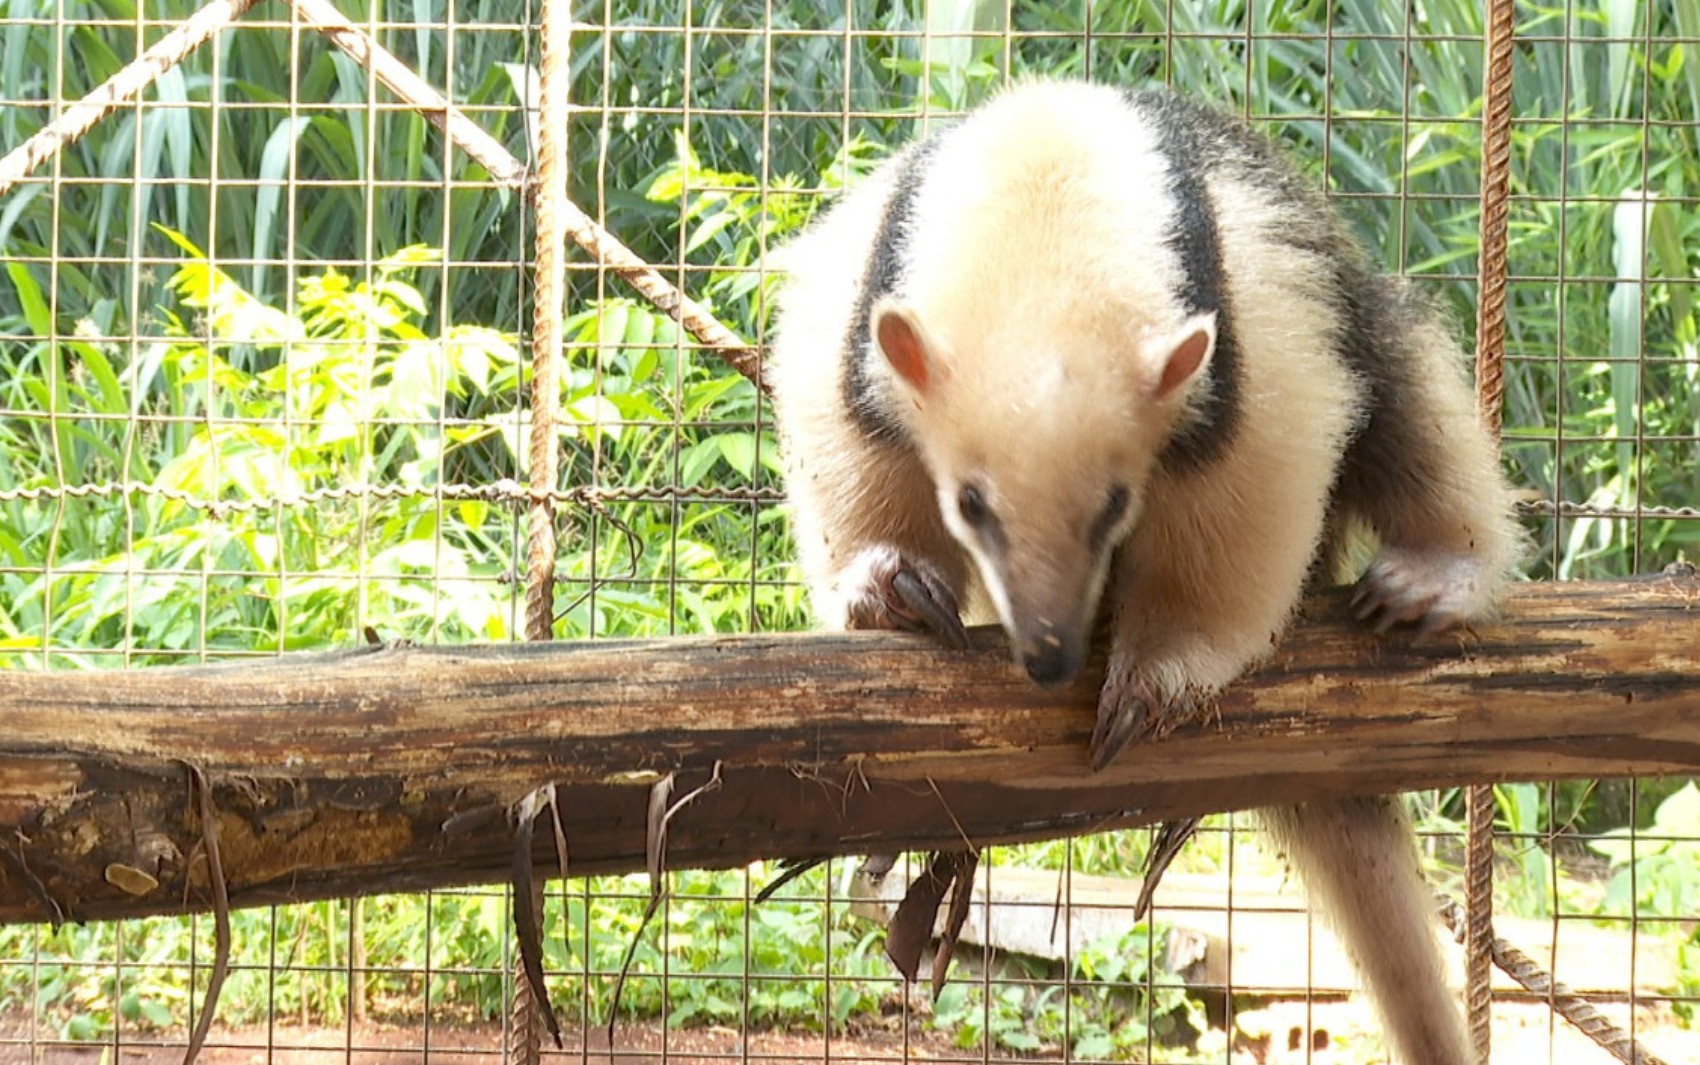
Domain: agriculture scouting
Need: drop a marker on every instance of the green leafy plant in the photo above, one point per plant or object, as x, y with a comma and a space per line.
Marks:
240, 404
1117, 1004
1657, 871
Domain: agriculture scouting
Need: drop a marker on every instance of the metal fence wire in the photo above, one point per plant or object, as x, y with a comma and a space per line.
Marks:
313, 308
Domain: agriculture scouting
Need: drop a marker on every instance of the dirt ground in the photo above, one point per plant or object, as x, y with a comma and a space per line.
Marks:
457, 1044
1285, 1033
379, 1044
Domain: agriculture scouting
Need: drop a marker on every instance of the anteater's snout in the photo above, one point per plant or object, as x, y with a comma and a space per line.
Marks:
1052, 657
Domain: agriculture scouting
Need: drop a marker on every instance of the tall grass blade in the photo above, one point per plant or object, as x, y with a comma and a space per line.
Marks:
1629, 231
1622, 17
273, 175
1687, 16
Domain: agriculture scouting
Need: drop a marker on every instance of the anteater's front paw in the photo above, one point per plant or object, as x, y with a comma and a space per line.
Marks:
884, 590
1124, 704
1433, 590
1133, 706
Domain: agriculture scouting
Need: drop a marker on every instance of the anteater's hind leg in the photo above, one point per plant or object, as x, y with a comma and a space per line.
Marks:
1425, 480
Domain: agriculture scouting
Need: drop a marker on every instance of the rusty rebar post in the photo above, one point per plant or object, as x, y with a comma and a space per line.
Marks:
1490, 391
1537, 981
549, 272
548, 295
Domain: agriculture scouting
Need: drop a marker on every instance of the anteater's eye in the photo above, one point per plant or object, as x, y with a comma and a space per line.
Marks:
973, 507
1116, 505
1115, 509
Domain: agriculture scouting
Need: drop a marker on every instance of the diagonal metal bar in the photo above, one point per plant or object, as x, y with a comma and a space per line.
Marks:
399, 78
110, 94
600, 244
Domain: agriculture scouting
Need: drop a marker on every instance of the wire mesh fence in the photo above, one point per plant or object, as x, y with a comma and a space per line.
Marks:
264, 374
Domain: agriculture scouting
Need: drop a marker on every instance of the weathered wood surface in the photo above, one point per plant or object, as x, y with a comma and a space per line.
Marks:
393, 769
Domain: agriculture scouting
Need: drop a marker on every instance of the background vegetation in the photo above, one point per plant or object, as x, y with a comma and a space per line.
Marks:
255, 288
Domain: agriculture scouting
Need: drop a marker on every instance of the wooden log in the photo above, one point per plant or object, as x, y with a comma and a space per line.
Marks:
394, 769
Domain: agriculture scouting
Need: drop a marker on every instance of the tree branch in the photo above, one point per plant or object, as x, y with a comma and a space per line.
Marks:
393, 769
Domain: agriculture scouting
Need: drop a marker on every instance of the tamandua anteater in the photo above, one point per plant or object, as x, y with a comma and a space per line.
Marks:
1092, 338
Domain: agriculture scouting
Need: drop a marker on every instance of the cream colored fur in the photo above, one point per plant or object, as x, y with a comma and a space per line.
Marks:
1041, 277
1214, 569
847, 494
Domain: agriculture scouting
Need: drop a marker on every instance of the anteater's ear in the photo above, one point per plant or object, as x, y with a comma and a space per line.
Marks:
903, 341
1178, 357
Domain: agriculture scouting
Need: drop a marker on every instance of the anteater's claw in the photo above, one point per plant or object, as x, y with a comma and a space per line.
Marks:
1430, 590
1125, 706
886, 590
931, 605
1131, 706
1171, 837
1117, 724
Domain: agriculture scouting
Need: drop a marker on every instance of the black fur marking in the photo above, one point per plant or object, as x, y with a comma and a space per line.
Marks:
979, 517
1391, 462
1115, 508
1390, 457
868, 402
1194, 137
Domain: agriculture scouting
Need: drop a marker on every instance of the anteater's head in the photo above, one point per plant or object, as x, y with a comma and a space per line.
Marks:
1041, 443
